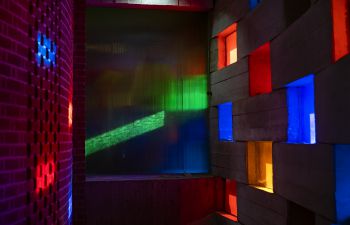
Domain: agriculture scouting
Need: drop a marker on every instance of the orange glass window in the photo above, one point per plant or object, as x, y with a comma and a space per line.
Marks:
227, 46
341, 35
260, 174
260, 71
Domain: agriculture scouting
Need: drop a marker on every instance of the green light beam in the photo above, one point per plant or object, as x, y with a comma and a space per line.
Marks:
187, 94
124, 133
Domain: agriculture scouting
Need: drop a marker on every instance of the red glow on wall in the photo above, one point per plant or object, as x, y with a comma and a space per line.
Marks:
341, 34
45, 175
231, 197
70, 114
260, 71
227, 46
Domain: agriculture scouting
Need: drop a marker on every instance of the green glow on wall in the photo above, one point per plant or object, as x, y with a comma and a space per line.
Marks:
124, 133
187, 94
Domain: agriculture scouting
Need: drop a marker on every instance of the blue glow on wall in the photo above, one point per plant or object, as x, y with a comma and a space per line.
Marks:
225, 122
70, 206
254, 3
46, 51
301, 111
342, 175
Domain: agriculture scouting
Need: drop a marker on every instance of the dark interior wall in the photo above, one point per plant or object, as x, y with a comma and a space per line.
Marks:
79, 82
170, 201
144, 63
36, 134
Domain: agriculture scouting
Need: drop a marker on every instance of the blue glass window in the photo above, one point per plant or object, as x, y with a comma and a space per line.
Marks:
254, 3
225, 122
301, 111
342, 193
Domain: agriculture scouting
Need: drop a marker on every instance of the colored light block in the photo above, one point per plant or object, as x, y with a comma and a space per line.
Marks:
124, 133
254, 3
188, 94
227, 46
231, 197
301, 111
70, 206
342, 176
341, 33
225, 122
45, 175
260, 168
231, 48
70, 114
260, 71
46, 51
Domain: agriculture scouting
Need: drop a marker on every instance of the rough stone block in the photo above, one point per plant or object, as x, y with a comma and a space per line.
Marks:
305, 174
332, 103
213, 55
257, 207
230, 90
230, 157
235, 69
226, 12
260, 118
260, 26
304, 48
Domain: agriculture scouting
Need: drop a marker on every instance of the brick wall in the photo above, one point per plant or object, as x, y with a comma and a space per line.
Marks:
36, 94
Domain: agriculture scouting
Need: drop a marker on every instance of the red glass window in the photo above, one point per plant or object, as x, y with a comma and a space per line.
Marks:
341, 35
260, 71
227, 46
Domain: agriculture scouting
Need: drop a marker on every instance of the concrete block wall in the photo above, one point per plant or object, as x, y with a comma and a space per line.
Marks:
306, 177
35, 101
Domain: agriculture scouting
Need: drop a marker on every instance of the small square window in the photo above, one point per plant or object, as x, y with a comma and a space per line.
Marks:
260, 71
227, 46
225, 122
260, 174
301, 111
341, 32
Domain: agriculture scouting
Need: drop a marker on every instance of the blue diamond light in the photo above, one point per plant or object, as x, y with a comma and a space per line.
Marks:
46, 51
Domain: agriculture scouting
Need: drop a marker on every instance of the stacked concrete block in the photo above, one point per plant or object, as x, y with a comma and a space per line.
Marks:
308, 179
332, 87
230, 84
306, 46
261, 118
260, 207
